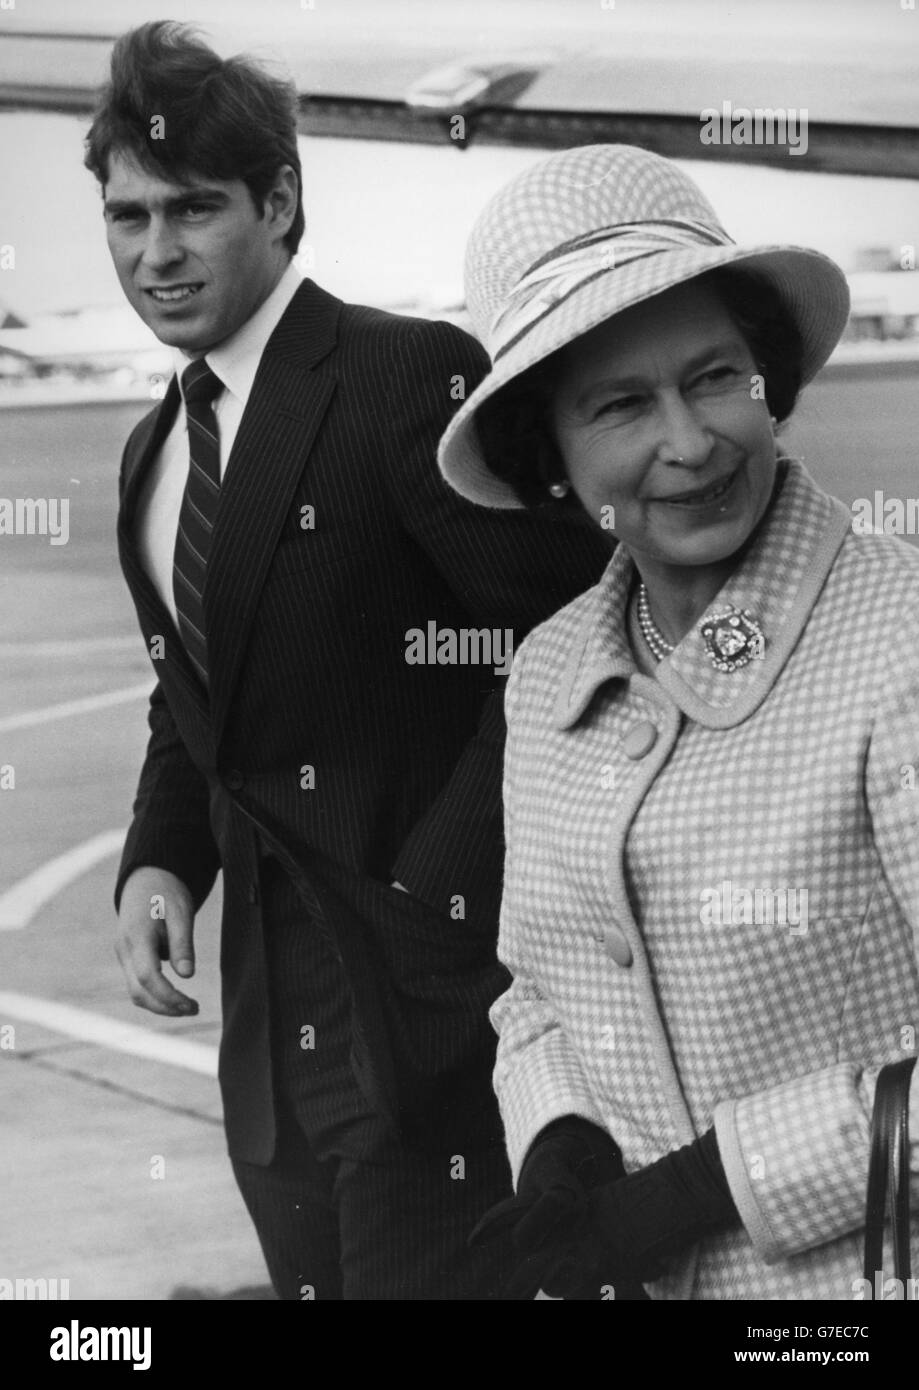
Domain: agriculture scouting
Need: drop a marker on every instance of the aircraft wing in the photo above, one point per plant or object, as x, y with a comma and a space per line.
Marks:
533, 72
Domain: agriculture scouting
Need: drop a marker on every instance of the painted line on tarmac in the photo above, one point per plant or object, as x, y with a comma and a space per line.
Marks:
88, 1027
19, 904
89, 646
70, 707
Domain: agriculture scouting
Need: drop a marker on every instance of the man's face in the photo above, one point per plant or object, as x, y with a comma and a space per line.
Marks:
195, 260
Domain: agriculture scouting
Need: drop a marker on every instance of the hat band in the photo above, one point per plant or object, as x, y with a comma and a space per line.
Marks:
568, 268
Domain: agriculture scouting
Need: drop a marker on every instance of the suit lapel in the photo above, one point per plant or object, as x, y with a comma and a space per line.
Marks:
152, 612
283, 414
151, 433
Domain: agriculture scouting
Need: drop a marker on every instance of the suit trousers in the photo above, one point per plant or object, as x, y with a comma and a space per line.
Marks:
346, 1210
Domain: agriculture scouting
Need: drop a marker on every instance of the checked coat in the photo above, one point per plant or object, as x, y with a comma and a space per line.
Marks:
319, 742
631, 800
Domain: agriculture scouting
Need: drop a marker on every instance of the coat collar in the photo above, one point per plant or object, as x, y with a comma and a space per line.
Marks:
235, 361
306, 333
778, 580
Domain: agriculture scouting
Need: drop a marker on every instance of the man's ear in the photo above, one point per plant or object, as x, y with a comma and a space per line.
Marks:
282, 199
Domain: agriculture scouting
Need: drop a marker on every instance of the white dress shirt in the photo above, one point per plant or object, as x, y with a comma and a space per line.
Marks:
235, 362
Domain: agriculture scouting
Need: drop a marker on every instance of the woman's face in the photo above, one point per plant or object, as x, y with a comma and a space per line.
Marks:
669, 379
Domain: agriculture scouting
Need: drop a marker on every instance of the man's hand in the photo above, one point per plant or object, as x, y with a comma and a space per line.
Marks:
155, 923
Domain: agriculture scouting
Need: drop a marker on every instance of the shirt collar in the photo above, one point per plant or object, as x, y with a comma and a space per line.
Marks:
235, 361
777, 582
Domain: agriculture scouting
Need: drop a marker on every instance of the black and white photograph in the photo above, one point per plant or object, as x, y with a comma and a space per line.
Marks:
459, 717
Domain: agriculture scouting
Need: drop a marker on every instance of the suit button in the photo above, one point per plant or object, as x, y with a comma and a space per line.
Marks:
616, 947
640, 739
234, 781
253, 893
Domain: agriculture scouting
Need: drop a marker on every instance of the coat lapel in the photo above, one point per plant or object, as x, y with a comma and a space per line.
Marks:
151, 432
283, 414
152, 612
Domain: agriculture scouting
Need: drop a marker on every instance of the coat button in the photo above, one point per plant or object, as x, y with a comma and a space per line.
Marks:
235, 781
616, 947
253, 893
640, 739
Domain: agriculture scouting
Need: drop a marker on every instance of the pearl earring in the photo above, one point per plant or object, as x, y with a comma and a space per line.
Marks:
560, 490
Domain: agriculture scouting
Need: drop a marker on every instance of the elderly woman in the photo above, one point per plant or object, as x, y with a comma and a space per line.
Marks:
712, 884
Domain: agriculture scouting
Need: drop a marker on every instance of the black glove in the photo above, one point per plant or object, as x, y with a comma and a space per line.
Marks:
566, 1161
632, 1225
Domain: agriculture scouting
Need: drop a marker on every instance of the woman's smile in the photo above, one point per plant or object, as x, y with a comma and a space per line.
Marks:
705, 497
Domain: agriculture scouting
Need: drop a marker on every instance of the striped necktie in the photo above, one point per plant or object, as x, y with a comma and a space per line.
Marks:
198, 513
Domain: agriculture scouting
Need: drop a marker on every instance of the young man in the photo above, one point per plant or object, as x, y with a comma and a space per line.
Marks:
282, 529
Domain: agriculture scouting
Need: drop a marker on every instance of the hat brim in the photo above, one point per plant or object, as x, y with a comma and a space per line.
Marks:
812, 288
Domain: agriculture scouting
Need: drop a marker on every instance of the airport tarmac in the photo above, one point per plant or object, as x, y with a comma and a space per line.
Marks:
113, 1170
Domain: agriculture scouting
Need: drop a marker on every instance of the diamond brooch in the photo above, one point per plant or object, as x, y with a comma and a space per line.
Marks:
733, 638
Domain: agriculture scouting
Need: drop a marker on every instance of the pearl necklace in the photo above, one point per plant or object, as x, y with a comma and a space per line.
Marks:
658, 645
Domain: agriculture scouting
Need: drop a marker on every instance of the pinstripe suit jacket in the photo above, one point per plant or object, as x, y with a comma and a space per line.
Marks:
651, 995
355, 766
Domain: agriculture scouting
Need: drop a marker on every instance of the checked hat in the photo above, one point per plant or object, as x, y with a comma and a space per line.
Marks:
585, 234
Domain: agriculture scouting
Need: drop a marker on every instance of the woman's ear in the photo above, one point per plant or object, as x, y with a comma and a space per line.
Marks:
550, 467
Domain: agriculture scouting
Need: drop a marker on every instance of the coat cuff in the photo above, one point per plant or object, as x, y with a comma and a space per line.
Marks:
452, 857
548, 1087
456, 849
796, 1159
197, 870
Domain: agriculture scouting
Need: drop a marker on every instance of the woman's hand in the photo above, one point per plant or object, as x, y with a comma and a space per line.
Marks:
572, 1243
566, 1162
632, 1226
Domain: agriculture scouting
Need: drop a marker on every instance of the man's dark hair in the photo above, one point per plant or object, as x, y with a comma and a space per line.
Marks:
223, 118
514, 425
